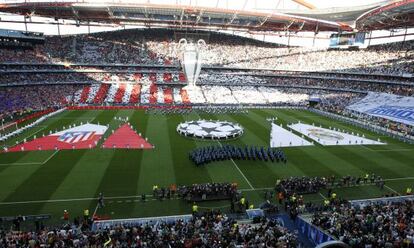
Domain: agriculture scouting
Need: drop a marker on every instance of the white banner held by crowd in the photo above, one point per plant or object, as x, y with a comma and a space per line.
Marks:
388, 106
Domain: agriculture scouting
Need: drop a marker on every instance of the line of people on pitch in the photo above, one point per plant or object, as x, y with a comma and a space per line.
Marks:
208, 191
195, 192
308, 185
206, 155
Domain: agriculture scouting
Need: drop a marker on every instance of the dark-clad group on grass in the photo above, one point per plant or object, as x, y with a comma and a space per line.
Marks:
208, 191
206, 155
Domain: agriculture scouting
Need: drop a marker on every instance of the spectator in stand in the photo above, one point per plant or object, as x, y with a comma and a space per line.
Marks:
376, 225
19, 99
211, 229
157, 47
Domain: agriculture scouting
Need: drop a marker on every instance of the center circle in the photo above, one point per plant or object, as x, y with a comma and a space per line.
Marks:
210, 129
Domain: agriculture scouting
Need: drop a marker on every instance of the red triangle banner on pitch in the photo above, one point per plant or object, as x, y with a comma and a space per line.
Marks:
125, 137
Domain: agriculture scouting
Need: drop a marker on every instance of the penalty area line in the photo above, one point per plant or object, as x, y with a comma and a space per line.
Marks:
50, 157
32, 163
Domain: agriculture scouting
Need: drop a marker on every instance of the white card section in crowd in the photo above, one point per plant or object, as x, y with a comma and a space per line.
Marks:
388, 106
177, 95
280, 137
93, 91
127, 94
145, 93
160, 95
332, 137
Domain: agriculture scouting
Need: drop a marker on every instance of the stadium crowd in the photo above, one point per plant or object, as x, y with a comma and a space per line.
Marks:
15, 100
210, 229
216, 81
337, 107
376, 225
160, 47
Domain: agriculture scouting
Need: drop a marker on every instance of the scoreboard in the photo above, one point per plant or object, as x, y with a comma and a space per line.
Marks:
343, 40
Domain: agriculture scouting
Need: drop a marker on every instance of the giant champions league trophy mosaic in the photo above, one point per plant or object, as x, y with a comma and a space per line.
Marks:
192, 60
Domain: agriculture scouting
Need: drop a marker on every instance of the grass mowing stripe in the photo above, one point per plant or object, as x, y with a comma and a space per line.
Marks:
185, 172
121, 175
118, 173
156, 164
380, 164
40, 185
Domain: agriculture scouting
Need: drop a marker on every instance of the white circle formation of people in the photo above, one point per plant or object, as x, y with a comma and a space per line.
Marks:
210, 129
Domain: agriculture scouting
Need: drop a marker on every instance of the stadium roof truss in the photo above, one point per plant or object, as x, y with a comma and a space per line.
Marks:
173, 16
398, 14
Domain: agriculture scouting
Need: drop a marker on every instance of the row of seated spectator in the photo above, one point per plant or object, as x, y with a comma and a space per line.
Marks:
218, 80
209, 229
156, 46
163, 94
37, 97
375, 225
172, 73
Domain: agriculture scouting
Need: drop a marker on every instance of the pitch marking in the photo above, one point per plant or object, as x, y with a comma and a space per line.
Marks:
391, 189
323, 197
150, 196
237, 167
32, 163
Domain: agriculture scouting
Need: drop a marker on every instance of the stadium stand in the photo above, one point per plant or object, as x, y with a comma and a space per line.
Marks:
141, 68
376, 225
210, 229
222, 50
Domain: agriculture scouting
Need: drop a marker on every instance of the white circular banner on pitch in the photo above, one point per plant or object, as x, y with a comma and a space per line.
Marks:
205, 129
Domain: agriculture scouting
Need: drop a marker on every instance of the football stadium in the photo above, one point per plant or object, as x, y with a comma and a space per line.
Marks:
179, 123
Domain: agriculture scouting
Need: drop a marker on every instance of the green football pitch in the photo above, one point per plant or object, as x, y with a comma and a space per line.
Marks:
47, 182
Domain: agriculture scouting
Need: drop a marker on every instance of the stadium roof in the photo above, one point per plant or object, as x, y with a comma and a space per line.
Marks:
398, 14
282, 15
174, 16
